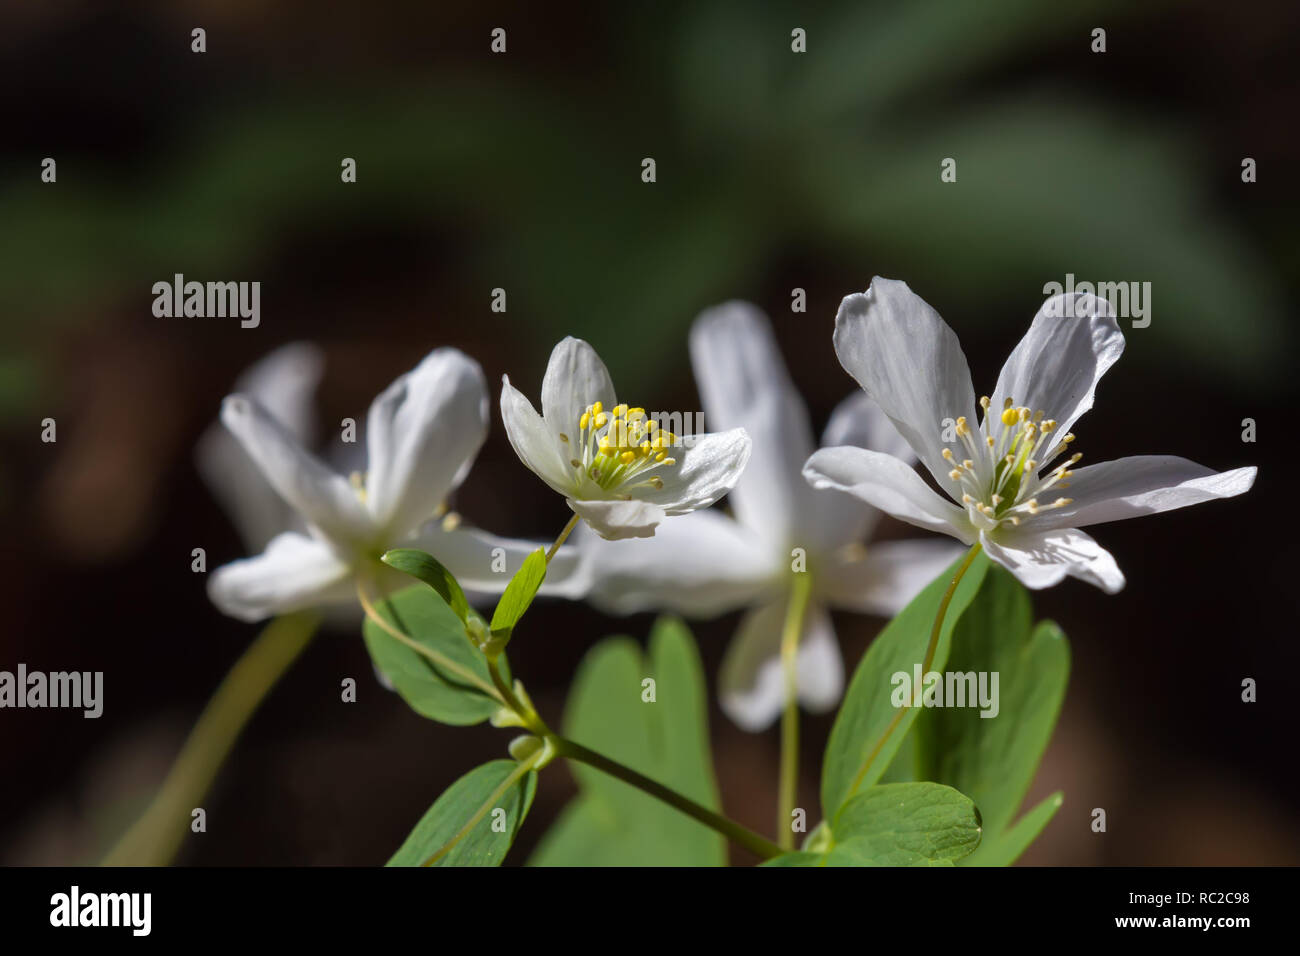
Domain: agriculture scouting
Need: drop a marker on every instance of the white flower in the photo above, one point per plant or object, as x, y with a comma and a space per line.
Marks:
1006, 476
617, 468
422, 434
284, 383
707, 563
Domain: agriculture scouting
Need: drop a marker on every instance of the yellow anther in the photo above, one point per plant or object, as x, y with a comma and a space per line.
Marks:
601, 419
1010, 415
657, 482
635, 414
984, 402
582, 422
451, 521
597, 408
1048, 425
955, 474
1067, 438
947, 454
968, 465
660, 456
620, 410
670, 461
627, 457
997, 500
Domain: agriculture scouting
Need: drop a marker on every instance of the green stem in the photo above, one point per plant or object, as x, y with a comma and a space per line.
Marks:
795, 613
733, 831
528, 715
925, 664
564, 535
154, 839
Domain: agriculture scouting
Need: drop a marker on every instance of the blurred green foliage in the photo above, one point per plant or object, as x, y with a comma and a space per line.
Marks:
534, 179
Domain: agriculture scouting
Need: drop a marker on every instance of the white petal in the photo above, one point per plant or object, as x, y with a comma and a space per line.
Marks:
708, 466
483, 563
887, 576
575, 378
619, 519
838, 518
743, 383
1042, 558
1141, 485
860, 421
1070, 344
700, 565
888, 484
323, 497
422, 432
284, 383
751, 682
532, 441
906, 358
293, 573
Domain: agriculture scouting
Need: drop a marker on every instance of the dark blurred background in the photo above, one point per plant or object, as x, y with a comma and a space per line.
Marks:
522, 171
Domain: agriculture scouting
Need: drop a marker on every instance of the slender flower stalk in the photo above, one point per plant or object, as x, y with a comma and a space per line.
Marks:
154, 839
789, 780
736, 833
926, 661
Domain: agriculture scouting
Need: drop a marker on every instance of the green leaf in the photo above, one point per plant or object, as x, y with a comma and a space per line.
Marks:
519, 594
484, 786
458, 694
905, 824
1006, 848
898, 824
859, 751
428, 569
611, 823
994, 758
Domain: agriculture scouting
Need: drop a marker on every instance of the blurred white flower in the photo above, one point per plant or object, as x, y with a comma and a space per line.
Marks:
284, 383
708, 563
422, 434
617, 468
1005, 475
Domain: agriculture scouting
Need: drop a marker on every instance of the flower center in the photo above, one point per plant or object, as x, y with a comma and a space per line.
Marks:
618, 448
1005, 476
